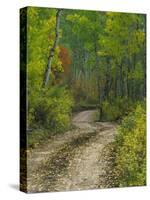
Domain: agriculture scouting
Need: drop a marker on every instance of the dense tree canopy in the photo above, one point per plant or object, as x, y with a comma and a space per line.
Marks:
99, 57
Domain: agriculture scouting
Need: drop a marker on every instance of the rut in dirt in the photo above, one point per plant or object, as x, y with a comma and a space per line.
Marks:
72, 161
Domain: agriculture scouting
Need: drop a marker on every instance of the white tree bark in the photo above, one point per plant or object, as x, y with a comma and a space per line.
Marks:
52, 50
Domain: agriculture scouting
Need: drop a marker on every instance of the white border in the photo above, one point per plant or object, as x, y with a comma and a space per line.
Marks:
9, 97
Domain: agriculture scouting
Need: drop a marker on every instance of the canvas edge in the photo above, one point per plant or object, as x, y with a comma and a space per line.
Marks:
23, 101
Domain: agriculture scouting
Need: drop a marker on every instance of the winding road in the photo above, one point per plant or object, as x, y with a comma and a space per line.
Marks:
73, 160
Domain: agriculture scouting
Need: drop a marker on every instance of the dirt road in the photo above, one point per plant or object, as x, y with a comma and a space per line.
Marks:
73, 160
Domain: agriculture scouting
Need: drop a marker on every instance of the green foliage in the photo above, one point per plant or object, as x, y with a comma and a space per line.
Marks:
52, 109
109, 57
41, 33
36, 137
115, 108
123, 43
130, 161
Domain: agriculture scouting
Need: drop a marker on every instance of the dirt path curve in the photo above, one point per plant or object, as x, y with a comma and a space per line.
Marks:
83, 119
72, 161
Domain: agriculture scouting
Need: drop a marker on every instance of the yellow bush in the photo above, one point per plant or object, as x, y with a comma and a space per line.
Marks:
130, 161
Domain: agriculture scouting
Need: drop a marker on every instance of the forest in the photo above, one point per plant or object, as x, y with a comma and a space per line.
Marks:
78, 61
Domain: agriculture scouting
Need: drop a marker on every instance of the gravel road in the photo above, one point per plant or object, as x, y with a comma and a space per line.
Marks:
73, 160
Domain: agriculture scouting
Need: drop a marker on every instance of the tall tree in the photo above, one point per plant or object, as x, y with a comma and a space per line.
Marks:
52, 50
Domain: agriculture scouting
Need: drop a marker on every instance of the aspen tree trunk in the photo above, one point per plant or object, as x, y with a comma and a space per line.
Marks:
52, 50
98, 77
